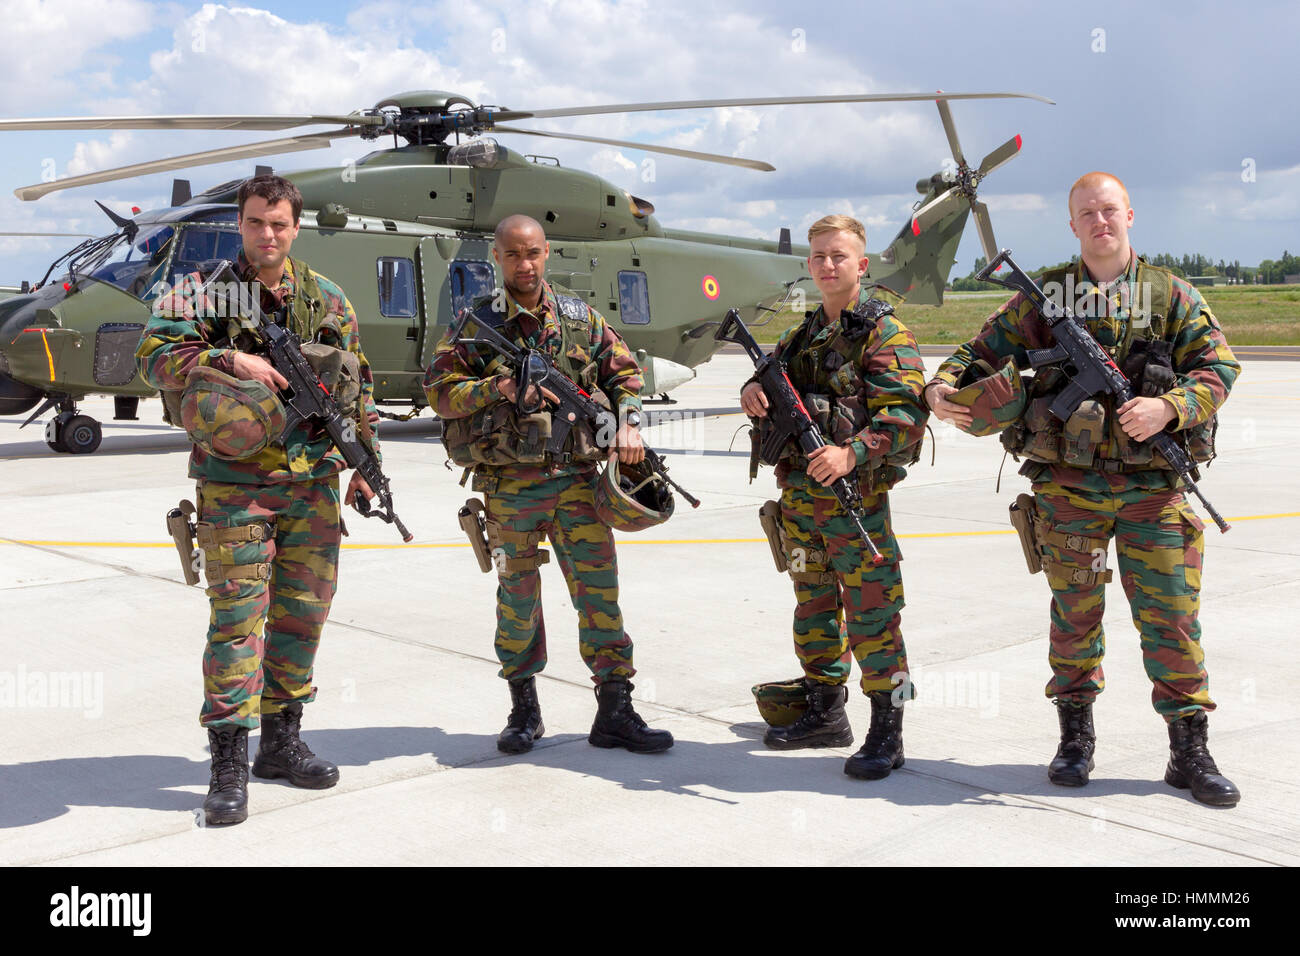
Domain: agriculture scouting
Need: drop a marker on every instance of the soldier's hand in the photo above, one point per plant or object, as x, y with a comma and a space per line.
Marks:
508, 390
628, 445
754, 400
254, 368
831, 462
357, 486
936, 397
1141, 418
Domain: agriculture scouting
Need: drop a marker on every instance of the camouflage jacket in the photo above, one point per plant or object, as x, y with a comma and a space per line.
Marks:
456, 385
893, 379
1204, 365
183, 333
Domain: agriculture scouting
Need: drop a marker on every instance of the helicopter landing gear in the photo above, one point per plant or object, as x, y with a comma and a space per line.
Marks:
72, 432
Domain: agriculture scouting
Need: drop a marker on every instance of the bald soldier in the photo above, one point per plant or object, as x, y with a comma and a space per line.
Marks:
1095, 476
530, 495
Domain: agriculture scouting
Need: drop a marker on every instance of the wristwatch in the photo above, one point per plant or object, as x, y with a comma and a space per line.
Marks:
634, 418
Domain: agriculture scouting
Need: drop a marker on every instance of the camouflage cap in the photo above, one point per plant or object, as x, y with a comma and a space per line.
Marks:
227, 417
781, 703
632, 498
995, 399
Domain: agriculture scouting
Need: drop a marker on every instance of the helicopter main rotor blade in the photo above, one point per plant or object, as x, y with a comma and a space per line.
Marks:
999, 157
268, 147
985, 226
945, 114
77, 235
238, 122
670, 150
508, 115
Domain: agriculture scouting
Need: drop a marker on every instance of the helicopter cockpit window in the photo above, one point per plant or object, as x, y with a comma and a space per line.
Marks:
396, 287
471, 280
199, 246
633, 298
131, 266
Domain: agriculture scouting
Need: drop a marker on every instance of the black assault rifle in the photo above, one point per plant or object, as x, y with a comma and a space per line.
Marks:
1094, 372
790, 420
305, 396
534, 371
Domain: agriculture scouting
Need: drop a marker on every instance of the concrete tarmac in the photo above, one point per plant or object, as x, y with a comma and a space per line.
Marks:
102, 760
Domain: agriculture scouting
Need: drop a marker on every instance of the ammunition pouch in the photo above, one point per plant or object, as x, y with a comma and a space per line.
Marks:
217, 542
769, 516
473, 523
497, 435
182, 531
1024, 515
339, 371
1083, 434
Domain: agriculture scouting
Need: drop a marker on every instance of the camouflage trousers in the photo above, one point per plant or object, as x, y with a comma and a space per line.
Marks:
1158, 546
847, 607
562, 508
263, 631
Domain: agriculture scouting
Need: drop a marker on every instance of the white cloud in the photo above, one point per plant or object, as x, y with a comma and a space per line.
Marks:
47, 43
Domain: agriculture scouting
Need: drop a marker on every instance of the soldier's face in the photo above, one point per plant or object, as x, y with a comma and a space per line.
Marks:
268, 231
836, 262
1100, 217
522, 255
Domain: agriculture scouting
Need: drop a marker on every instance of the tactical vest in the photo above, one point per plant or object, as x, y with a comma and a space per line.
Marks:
829, 377
1144, 354
322, 336
499, 434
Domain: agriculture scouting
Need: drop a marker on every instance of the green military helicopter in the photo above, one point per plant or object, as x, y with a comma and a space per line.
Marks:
406, 232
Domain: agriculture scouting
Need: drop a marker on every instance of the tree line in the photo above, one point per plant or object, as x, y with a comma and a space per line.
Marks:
1270, 271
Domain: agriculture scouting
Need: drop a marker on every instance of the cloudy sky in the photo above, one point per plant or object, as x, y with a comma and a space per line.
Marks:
1185, 101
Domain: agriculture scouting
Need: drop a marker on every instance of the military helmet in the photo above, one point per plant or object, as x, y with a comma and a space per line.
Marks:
230, 418
632, 497
782, 702
996, 399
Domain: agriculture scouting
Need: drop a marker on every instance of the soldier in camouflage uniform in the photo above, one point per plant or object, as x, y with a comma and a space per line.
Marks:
530, 495
861, 375
269, 521
1094, 477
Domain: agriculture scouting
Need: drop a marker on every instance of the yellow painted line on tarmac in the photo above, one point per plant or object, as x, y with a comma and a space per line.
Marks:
622, 540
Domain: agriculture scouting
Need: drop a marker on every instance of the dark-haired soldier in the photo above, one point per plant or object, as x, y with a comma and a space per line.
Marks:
268, 501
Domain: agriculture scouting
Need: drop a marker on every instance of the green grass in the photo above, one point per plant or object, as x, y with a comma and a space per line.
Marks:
1250, 315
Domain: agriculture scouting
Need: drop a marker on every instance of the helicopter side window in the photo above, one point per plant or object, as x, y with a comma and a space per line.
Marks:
471, 280
396, 287
633, 298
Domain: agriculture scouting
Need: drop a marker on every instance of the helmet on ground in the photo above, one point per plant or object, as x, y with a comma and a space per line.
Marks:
996, 399
781, 703
632, 497
230, 418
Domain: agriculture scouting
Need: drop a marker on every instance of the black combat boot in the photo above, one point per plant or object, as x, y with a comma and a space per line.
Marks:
1073, 760
1192, 768
882, 751
823, 724
227, 800
282, 753
525, 722
618, 725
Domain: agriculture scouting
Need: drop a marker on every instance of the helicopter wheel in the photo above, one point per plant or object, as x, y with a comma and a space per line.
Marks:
81, 435
73, 433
